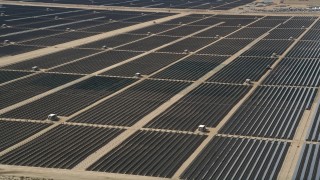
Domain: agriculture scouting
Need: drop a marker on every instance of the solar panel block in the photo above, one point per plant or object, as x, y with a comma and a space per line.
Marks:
62, 147
71, 99
107, 27
96, 62
183, 31
113, 41
29, 35
314, 129
266, 48
153, 29
191, 68
308, 164
145, 65
13, 132
183, 20
11, 50
190, 44
207, 105
295, 72
238, 22
6, 76
305, 49
249, 33
149, 153
144, 18
272, 112
149, 43
243, 68
9, 30
235, 158
128, 107
58, 39
279, 33
226, 46
312, 35
207, 21
23, 89
267, 23
51, 60
300, 23
217, 30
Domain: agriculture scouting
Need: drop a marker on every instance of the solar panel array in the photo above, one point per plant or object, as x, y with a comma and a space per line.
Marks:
27, 28
182, 4
236, 158
147, 153
61, 147
140, 96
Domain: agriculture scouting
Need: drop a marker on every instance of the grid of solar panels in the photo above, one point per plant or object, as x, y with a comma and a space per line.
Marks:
41, 27
69, 100
170, 57
62, 147
237, 158
193, 4
300, 66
